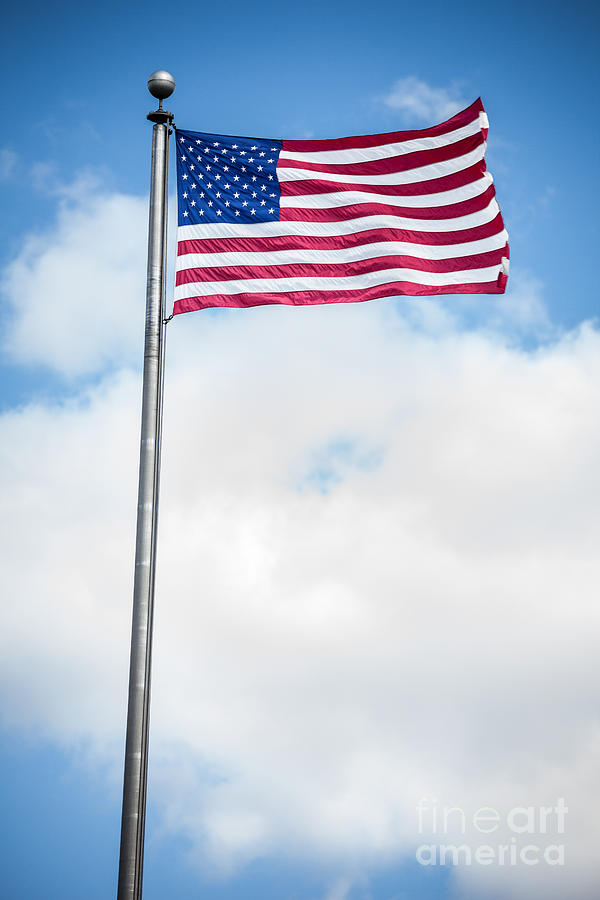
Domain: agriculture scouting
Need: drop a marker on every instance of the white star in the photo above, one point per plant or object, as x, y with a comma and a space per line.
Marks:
217, 177
199, 158
202, 194
271, 211
183, 158
259, 169
184, 196
252, 211
184, 177
253, 194
218, 194
271, 195
224, 150
264, 187
199, 175
226, 168
207, 149
193, 203
262, 153
227, 203
181, 140
270, 178
234, 146
242, 152
193, 186
200, 212
244, 187
250, 159
232, 158
243, 168
263, 202
191, 149
226, 187
197, 142
245, 203
192, 168
254, 148
237, 212
208, 168
210, 203
273, 149
216, 144
236, 177
269, 160
254, 178
236, 195
208, 186
185, 214
215, 159
218, 212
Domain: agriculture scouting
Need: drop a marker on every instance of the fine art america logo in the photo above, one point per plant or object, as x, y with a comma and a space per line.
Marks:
523, 835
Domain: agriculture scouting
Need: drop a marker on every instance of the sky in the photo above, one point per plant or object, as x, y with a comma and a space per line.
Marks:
377, 572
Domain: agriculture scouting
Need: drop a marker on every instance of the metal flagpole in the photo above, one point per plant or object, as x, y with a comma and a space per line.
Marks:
131, 860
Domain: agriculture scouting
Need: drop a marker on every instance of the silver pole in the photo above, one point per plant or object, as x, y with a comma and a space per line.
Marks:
133, 821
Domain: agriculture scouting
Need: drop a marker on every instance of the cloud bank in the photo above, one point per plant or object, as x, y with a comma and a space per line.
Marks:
377, 559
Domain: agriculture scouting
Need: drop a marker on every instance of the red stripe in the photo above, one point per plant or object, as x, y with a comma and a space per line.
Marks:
313, 298
329, 242
374, 140
390, 164
417, 189
344, 213
341, 269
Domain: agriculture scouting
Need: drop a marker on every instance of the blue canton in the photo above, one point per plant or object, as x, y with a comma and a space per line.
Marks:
226, 179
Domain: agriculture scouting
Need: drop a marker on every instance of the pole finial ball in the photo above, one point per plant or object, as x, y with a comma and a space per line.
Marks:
161, 84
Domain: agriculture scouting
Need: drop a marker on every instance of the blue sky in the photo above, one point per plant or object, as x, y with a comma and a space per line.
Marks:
344, 489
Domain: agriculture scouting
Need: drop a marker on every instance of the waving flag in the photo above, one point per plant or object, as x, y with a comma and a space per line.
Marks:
337, 221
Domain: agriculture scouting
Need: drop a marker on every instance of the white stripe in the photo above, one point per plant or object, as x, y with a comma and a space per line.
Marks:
212, 230
349, 198
316, 229
344, 283
384, 151
423, 173
350, 254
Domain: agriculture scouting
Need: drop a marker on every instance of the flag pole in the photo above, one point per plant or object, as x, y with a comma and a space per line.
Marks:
131, 859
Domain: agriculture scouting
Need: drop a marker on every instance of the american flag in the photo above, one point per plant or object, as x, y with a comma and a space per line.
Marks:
337, 221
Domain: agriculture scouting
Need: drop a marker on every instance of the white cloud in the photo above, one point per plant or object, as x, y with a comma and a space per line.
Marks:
76, 290
323, 660
423, 103
340, 889
8, 162
521, 309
